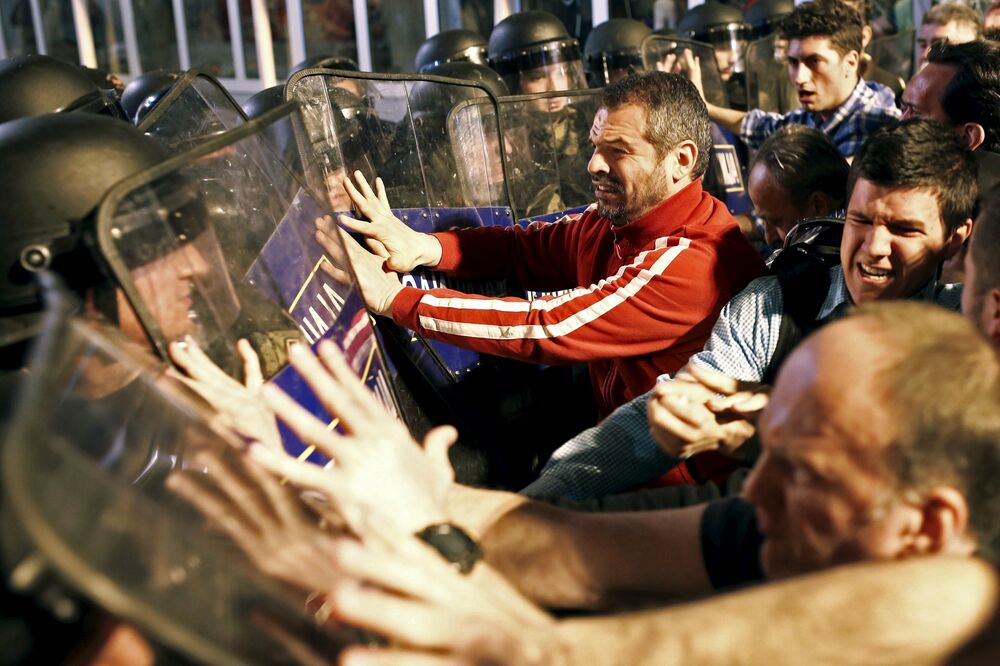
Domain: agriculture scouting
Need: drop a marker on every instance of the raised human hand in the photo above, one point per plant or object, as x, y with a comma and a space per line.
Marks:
402, 248
704, 410
268, 521
239, 407
381, 481
434, 615
378, 287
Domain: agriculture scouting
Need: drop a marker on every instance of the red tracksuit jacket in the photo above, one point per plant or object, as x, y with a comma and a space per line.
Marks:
644, 296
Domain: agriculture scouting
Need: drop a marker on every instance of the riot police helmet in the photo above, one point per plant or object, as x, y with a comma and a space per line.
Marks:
264, 101
51, 193
723, 27
534, 53
764, 16
145, 92
613, 50
33, 85
451, 46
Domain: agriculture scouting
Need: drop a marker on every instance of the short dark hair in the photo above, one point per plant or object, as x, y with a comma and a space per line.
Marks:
941, 383
826, 18
973, 94
985, 247
919, 153
949, 12
804, 160
675, 112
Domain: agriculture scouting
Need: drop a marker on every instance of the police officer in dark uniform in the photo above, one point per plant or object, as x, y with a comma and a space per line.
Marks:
613, 50
534, 53
723, 27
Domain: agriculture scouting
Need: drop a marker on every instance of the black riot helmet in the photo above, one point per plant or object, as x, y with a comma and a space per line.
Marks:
765, 16
54, 171
613, 50
723, 27
145, 91
264, 101
36, 84
533, 52
451, 46
340, 62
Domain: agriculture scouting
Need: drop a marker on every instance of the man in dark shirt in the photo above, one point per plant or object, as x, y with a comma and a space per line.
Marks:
880, 442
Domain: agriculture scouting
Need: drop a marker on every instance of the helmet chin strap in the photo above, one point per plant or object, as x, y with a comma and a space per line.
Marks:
106, 300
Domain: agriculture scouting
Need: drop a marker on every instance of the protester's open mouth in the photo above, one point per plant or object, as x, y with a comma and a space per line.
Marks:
874, 274
806, 96
606, 190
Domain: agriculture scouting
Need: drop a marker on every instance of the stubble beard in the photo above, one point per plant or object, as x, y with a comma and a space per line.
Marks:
649, 193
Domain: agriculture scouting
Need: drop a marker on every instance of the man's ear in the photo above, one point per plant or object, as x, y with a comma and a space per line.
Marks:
953, 244
853, 60
944, 524
991, 313
866, 37
819, 203
974, 135
686, 157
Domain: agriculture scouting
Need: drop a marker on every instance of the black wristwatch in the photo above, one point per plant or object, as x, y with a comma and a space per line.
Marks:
454, 544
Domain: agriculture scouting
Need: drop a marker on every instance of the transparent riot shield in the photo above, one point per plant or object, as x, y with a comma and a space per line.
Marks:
436, 144
100, 437
667, 54
547, 148
394, 127
768, 85
218, 244
894, 53
196, 107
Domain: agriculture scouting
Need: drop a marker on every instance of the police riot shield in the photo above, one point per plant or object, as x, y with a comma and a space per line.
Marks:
110, 470
768, 85
394, 127
547, 149
895, 53
196, 107
668, 54
435, 143
217, 264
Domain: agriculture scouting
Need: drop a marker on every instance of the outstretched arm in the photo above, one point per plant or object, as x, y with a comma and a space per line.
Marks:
910, 612
387, 488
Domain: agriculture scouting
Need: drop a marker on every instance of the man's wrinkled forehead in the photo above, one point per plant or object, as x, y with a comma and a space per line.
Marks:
600, 122
896, 203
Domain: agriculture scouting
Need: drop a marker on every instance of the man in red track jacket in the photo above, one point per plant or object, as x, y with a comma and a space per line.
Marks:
648, 266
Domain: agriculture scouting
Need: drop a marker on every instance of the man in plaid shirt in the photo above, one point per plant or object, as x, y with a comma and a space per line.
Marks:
824, 52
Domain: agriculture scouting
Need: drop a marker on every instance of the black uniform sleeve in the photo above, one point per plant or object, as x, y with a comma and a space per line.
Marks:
730, 543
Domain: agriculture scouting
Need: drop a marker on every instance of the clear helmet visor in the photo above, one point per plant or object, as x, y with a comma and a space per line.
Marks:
603, 69
729, 42
182, 242
550, 67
